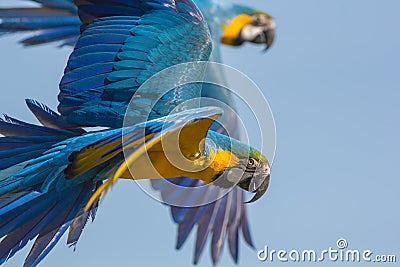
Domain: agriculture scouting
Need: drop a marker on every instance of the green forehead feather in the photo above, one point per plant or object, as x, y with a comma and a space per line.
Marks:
254, 153
257, 11
241, 150
244, 9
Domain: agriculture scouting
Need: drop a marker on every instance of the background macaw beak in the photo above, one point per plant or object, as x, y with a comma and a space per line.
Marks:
260, 31
267, 37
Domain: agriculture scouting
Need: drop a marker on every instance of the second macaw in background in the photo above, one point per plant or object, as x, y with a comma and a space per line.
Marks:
230, 24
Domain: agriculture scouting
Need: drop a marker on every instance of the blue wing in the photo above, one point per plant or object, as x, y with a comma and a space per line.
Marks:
221, 219
116, 53
58, 21
29, 212
39, 199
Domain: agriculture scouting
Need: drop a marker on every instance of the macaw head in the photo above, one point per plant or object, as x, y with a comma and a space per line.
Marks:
252, 26
239, 164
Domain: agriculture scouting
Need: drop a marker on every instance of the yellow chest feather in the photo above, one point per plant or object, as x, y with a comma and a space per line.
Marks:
157, 165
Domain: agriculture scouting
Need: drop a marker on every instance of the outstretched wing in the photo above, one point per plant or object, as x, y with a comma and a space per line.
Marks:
222, 219
38, 197
29, 212
122, 44
59, 21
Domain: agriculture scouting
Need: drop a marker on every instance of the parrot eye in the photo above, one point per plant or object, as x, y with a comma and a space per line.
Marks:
252, 163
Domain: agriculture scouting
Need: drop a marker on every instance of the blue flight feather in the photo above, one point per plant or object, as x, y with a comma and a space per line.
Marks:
114, 48
50, 35
204, 227
48, 238
219, 228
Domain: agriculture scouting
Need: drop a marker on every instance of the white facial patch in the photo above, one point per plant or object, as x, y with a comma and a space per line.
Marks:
250, 32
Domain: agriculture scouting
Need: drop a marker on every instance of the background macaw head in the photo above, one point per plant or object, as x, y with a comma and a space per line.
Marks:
255, 27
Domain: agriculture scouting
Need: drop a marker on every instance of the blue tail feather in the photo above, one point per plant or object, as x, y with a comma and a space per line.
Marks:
204, 228
246, 229
47, 217
219, 228
77, 225
53, 232
28, 209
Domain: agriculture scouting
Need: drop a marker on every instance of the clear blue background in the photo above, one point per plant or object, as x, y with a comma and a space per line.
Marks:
332, 80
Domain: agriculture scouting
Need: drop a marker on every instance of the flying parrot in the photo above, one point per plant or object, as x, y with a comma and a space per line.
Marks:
104, 70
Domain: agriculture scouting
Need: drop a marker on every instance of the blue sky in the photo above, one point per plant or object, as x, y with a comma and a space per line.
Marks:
332, 81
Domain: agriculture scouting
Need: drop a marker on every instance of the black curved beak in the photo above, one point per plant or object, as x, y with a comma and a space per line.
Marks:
267, 37
260, 183
257, 184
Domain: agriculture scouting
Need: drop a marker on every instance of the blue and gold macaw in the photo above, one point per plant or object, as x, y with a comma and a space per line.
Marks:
86, 71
